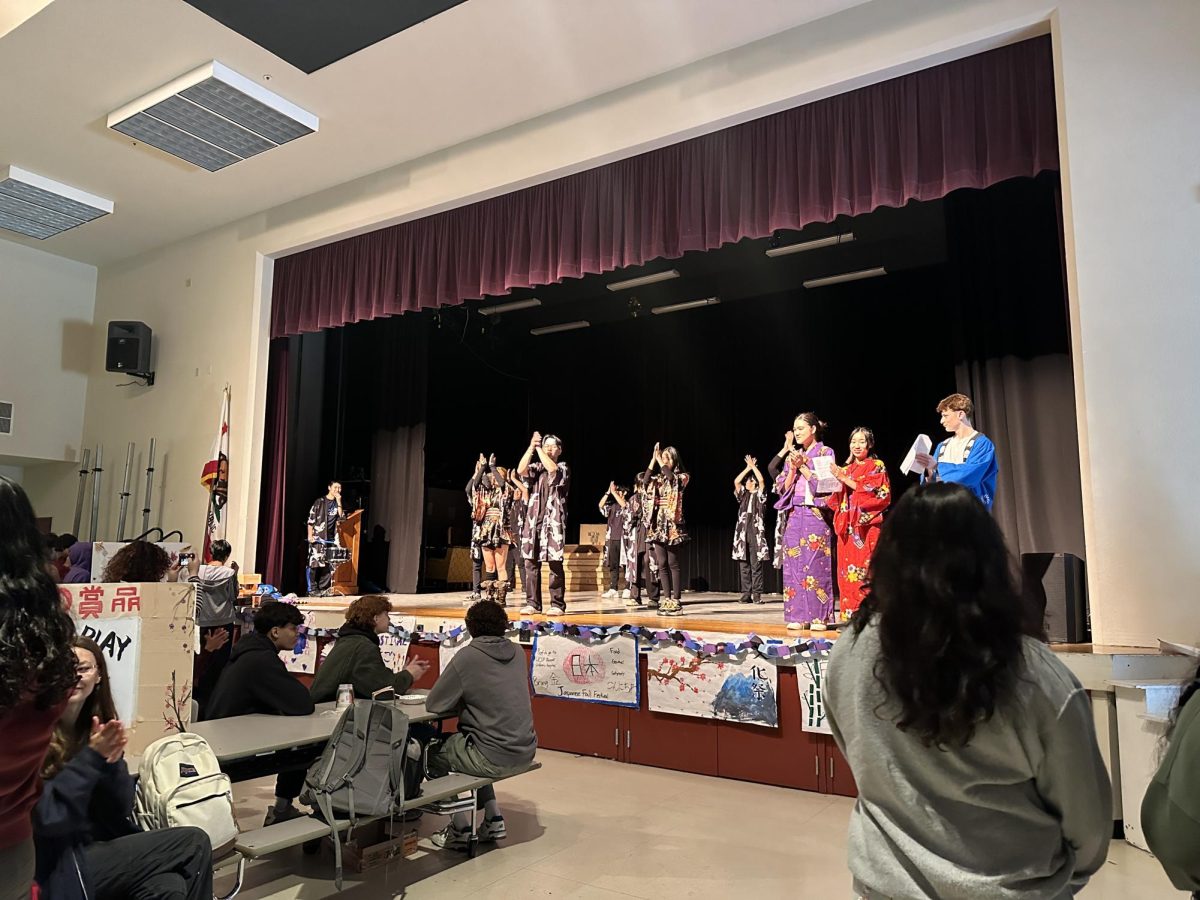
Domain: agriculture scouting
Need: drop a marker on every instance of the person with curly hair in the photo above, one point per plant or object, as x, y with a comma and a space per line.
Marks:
37, 675
972, 745
141, 561
87, 844
356, 657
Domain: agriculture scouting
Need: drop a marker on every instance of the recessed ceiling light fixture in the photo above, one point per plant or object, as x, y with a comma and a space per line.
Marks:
509, 307
680, 307
213, 117
645, 279
849, 276
38, 207
831, 241
554, 329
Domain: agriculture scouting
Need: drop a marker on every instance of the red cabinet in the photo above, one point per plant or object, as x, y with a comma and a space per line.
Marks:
683, 743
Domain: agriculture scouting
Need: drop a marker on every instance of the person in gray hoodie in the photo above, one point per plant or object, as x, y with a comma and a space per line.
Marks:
487, 684
972, 745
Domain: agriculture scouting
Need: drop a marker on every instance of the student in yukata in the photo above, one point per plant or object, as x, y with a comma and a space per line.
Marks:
967, 457
640, 568
490, 501
612, 507
750, 547
666, 527
863, 494
544, 533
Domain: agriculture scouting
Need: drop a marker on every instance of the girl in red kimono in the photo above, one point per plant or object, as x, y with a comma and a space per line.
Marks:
858, 505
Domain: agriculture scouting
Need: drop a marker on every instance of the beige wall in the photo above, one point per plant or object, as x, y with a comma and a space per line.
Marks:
1131, 187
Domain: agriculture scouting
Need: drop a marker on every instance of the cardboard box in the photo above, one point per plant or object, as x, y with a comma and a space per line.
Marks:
377, 844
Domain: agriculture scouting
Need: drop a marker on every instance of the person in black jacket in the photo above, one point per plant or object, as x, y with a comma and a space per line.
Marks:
356, 657
257, 681
87, 845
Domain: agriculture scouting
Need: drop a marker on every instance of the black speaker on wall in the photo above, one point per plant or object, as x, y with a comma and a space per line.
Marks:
129, 349
1057, 581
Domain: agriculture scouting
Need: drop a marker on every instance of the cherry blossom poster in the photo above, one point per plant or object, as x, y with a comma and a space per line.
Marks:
742, 688
572, 668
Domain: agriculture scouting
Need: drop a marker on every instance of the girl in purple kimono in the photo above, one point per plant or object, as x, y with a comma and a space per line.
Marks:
803, 537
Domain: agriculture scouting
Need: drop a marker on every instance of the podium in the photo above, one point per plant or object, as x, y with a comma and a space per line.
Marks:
345, 576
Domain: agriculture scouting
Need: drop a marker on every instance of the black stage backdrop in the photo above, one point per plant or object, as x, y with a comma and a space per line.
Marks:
717, 383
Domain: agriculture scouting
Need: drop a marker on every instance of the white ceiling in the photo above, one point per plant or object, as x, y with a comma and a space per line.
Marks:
482, 66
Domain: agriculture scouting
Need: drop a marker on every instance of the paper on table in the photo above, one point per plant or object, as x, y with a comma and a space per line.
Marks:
826, 481
922, 444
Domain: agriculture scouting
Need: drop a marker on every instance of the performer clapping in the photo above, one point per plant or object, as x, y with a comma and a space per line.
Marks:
858, 504
750, 546
804, 547
666, 528
544, 533
612, 507
490, 503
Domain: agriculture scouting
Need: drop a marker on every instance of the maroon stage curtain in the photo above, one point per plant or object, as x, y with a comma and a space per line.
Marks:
969, 123
272, 526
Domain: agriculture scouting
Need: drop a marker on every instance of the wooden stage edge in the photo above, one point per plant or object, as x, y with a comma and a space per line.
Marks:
588, 613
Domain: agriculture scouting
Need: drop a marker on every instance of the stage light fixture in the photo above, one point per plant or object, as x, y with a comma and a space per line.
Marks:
38, 207
645, 279
509, 307
213, 117
848, 276
554, 329
831, 241
680, 307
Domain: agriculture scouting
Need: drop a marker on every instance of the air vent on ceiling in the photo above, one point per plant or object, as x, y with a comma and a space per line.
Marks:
5, 418
37, 207
213, 117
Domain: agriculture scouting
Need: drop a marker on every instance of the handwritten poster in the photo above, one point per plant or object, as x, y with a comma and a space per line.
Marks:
394, 650
740, 688
812, 678
447, 649
302, 659
120, 641
573, 668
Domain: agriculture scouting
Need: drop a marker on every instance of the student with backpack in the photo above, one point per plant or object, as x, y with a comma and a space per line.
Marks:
486, 684
257, 681
87, 845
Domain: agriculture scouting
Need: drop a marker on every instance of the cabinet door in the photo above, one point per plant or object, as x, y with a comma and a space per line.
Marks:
683, 743
787, 756
838, 779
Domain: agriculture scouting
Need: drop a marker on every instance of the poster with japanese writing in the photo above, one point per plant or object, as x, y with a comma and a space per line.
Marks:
812, 677
147, 632
575, 668
120, 641
740, 688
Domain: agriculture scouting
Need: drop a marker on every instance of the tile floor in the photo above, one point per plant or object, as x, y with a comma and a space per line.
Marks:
588, 829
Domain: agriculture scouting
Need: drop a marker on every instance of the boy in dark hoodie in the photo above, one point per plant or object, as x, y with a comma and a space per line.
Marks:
487, 685
257, 681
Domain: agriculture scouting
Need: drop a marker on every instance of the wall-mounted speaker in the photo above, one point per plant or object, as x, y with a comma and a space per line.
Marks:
1058, 583
129, 349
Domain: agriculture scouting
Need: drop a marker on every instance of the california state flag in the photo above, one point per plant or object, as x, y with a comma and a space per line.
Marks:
216, 479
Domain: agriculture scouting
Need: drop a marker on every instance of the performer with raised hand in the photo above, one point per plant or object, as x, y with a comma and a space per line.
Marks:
967, 457
490, 502
544, 533
750, 546
666, 527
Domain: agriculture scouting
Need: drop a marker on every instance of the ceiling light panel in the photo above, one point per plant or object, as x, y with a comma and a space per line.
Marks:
38, 207
213, 117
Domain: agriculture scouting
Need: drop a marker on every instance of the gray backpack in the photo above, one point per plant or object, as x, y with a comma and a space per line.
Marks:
361, 772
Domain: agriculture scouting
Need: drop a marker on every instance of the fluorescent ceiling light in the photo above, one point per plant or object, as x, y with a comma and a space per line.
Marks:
213, 117
690, 304
38, 207
849, 276
566, 326
510, 307
831, 241
645, 279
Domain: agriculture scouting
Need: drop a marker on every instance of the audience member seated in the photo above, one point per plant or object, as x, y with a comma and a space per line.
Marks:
87, 845
1171, 808
356, 657
79, 557
487, 684
37, 675
216, 607
141, 561
257, 681
972, 745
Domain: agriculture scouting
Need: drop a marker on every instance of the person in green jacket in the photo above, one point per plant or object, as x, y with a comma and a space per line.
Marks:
357, 659
1171, 807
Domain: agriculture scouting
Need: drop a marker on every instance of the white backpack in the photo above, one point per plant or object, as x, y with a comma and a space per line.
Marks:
181, 783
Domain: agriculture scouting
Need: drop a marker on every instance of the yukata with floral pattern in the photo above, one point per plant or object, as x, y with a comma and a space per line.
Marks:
857, 519
491, 506
544, 532
804, 544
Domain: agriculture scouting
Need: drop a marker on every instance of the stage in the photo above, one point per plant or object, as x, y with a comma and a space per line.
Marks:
709, 612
